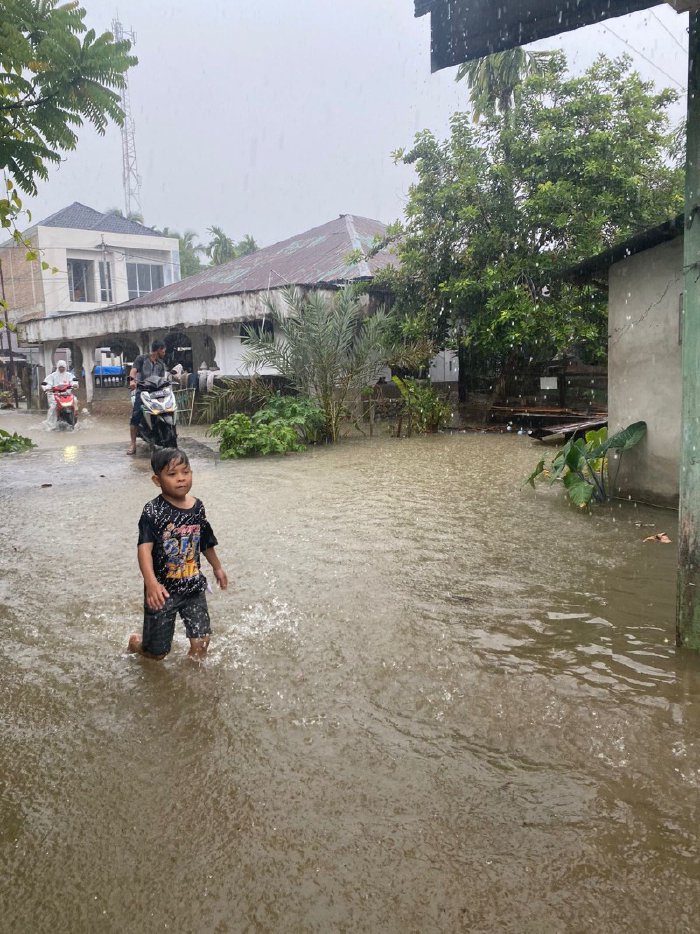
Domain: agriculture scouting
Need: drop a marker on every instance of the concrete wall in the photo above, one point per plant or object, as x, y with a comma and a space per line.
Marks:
24, 287
644, 367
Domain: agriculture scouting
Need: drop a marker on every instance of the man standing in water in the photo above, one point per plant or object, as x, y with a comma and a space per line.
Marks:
144, 367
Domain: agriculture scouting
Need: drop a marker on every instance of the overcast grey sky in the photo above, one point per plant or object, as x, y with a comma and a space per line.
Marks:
272, 117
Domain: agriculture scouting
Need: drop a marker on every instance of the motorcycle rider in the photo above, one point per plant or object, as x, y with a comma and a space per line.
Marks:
145, 367
61, 376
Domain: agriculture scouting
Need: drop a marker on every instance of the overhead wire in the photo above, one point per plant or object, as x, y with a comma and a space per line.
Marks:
642, 55
665, 27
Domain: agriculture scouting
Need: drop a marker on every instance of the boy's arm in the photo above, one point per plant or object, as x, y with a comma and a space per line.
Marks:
219, 573
156, 593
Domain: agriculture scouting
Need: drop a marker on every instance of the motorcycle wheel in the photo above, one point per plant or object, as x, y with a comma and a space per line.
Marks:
70, 417
165, 434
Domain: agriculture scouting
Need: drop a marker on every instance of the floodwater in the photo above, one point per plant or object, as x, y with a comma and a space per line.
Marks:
434, 701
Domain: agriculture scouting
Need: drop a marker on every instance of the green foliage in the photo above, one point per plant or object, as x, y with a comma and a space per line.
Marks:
52, 80
231, 395
494, 80
240, 437
582, 464
280, 426
246, 246
299, 412
423, 409
328, 349
188, 249
222, 249
504, 207
13, 443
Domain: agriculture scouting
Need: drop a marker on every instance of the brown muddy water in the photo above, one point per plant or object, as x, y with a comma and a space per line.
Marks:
435, 701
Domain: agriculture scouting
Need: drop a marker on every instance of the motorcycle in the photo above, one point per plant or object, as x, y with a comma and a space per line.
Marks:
66, 405
159, 415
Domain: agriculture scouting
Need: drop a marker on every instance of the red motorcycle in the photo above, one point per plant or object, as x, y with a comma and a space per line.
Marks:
66, 404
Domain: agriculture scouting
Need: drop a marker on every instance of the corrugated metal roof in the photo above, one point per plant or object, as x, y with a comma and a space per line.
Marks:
315, 257
79, 216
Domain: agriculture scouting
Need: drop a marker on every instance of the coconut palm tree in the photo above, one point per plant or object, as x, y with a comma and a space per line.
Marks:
246, 246
189, 260
493, 80
326, 348
221, 248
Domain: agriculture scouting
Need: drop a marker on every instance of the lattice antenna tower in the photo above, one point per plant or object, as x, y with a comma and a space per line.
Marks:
131, 179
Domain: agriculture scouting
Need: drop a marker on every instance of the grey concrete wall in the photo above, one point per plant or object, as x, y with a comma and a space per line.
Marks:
644, 369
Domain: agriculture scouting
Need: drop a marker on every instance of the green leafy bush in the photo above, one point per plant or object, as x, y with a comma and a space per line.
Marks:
299, 412
423, 409
12, 443
282, 425
582, 464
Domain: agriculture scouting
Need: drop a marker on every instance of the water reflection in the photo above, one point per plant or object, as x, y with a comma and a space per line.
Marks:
434, 701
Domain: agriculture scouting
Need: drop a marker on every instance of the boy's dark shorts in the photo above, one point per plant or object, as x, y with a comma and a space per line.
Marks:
159, 625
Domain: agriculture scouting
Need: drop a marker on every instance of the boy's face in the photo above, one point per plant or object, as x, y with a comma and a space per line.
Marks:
175, 480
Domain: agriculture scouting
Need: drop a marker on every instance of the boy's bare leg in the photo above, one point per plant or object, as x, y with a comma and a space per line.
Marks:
198, 647
134, 645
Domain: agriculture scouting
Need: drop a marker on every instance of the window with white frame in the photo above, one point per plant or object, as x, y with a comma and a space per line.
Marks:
105, 282
81, 280
143, 278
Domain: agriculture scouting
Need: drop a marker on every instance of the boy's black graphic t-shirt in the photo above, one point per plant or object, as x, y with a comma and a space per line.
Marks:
178, 536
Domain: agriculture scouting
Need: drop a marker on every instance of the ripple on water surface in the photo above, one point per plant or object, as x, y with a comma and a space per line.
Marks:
434, 701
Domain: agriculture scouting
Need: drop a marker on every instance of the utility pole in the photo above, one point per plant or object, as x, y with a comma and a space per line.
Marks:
130, 175
688, 608
13, 368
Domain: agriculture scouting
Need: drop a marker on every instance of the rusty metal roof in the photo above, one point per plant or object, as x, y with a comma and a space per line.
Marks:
316, 257
462, 30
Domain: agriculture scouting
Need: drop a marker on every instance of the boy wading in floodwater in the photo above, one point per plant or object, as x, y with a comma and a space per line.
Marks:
173, 532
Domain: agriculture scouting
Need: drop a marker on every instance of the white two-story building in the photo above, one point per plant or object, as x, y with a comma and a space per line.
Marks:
86, 260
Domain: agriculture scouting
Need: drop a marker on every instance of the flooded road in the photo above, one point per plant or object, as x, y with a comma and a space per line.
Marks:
434, 701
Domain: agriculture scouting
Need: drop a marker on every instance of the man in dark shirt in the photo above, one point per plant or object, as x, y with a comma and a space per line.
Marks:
145, 368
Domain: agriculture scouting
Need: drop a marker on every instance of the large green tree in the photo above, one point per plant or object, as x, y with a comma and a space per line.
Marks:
503, 207
55, 75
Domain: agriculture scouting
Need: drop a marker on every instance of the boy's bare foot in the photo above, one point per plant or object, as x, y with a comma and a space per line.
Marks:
134, 642
131, 450
198, 649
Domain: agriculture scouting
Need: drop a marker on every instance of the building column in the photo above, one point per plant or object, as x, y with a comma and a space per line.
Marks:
87, 349
688, 610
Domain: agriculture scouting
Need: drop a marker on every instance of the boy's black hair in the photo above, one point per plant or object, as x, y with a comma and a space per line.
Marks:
163, 457
157, 345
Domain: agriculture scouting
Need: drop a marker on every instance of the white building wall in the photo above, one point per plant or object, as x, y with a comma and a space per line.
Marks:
59, 244
644, 368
